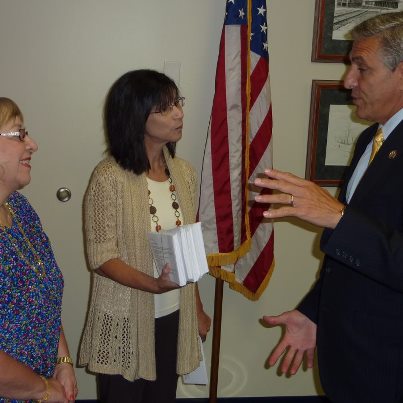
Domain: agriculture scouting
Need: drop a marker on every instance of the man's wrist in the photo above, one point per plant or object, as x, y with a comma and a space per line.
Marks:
339, 216
342, 210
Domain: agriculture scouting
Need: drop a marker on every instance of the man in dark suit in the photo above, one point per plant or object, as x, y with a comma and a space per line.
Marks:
354, 313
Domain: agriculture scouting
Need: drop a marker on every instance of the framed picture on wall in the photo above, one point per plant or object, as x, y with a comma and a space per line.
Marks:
326, 48
333, 130
333, 21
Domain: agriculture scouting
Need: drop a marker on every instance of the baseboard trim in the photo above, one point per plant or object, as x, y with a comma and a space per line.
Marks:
282, 399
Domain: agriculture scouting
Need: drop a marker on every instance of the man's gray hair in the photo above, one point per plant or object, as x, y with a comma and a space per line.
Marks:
388, 27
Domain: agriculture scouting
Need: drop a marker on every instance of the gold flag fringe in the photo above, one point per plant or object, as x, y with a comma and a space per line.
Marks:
229, 277
224, 259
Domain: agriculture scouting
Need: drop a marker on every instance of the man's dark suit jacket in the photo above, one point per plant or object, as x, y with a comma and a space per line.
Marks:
357, 301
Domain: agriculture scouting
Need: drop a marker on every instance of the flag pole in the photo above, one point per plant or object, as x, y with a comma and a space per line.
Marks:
215, 353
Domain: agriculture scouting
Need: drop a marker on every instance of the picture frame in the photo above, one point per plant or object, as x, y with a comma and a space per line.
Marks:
324, 47
333, 130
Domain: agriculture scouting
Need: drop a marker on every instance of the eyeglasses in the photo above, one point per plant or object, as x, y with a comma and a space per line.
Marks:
21, 134
178, 103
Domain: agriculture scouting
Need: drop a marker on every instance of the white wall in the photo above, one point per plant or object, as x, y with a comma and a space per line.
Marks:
58, 58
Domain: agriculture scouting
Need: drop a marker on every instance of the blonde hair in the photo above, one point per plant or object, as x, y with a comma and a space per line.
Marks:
9, 110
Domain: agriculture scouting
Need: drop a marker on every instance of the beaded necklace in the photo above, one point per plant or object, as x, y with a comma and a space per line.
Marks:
175, 205
38, 267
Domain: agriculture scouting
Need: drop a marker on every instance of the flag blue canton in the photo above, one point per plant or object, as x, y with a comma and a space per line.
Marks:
237, 14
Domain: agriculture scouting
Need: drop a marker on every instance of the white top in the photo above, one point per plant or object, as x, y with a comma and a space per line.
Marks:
167, 302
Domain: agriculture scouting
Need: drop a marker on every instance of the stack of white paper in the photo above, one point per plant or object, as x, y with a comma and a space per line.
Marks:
183, 249
199, 375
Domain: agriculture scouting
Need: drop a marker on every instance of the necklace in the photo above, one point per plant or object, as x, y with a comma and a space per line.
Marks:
153, 210
38, 267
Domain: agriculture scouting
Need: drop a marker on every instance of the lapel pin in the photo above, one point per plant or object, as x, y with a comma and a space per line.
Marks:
392, 155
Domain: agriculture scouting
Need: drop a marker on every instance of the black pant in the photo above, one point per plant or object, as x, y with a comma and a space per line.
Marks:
116, 389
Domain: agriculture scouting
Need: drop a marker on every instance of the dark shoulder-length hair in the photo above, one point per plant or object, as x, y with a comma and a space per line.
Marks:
127, 107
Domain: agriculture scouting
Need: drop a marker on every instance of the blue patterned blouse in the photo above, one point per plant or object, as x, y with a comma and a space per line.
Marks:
30, 306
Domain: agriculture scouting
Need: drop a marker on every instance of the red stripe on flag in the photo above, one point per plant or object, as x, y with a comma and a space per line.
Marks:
261, 141
220, 161
260, 269
258, 79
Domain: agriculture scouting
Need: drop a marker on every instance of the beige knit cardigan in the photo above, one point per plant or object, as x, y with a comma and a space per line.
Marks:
118, 336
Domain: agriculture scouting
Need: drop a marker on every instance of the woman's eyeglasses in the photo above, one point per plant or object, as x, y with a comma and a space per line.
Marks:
178, 103
21, 134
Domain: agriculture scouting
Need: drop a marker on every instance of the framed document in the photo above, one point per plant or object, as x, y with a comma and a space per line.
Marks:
333, 130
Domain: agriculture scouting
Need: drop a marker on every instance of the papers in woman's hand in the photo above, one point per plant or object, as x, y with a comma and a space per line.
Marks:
183, 249
199, 375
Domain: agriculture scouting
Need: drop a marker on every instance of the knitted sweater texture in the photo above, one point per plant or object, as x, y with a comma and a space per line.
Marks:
118, 336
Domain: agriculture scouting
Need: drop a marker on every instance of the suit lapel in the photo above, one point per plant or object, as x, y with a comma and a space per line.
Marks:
359, 149
383, 164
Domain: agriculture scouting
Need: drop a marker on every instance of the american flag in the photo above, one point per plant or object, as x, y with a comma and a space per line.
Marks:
238, 240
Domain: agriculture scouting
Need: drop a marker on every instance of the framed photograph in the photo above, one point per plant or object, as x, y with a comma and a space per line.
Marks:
324, 47
333, 21
333, 130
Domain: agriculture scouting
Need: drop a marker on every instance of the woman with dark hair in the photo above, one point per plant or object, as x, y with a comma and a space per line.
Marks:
142, 329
